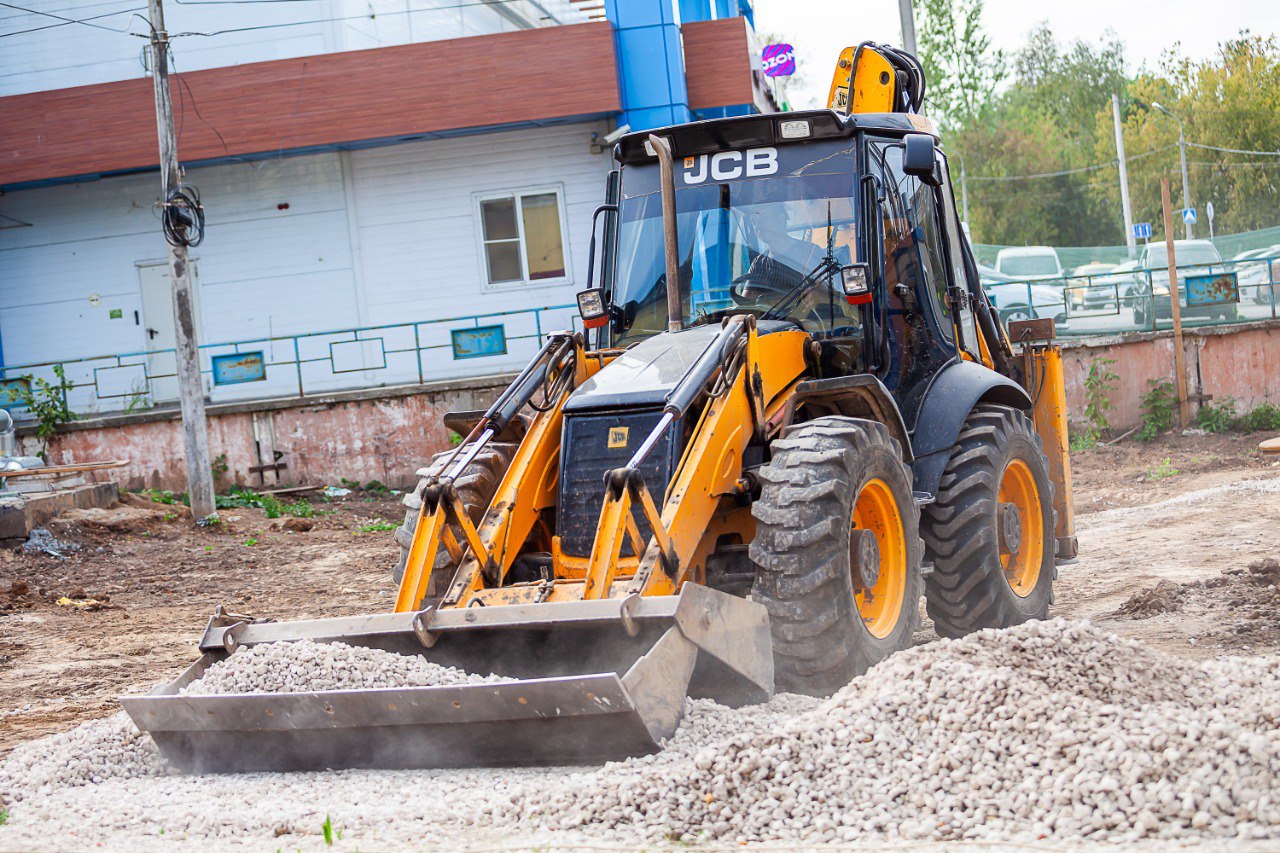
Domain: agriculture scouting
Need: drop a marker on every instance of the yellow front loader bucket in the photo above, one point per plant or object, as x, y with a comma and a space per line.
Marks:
596, 681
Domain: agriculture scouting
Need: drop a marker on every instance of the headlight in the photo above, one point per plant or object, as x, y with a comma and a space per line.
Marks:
1160, 289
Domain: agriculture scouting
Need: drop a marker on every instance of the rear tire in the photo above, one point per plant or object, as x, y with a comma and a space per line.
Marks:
826, 476
976, 583
476, 487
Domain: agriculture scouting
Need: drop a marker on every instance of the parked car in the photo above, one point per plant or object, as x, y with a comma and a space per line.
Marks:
1102, 293
1089, 287
1258, 271
1017, 299
1151, 290
1029, 262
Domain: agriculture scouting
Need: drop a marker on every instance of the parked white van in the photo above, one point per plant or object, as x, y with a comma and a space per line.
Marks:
1029, 262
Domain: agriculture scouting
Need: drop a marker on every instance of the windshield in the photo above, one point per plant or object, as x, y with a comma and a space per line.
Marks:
1027, 265
772, 246
1196, 253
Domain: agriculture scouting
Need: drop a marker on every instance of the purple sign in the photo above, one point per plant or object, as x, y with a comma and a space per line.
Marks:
779, 60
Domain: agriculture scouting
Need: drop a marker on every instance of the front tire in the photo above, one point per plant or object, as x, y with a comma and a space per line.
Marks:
476, 485
990, 532
835, 494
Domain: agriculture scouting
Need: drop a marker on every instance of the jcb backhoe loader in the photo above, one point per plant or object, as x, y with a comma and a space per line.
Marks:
793, 412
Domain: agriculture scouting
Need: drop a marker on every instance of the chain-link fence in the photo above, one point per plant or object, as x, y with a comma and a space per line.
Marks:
1096, 290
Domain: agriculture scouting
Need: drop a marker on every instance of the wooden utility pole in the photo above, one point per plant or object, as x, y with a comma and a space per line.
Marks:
195, 432
1175, 308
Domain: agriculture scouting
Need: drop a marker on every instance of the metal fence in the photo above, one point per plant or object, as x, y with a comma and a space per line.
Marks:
1139, 300
477, 345
301, 366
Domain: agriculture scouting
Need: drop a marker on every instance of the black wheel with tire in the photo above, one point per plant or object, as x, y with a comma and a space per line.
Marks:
837, 552
476, 487
990, 532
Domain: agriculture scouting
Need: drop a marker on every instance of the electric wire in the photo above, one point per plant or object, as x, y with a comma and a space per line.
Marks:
365, 16
64, 21
1232, 150
183, 217
1077, 171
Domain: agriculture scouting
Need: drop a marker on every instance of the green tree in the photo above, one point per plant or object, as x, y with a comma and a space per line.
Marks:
1045, 122
961, 67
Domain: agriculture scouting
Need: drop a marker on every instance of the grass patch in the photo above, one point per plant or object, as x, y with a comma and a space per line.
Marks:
1162, 471
376, 527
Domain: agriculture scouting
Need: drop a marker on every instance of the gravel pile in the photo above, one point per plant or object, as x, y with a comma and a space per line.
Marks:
89, 754
1052, 730
306, 665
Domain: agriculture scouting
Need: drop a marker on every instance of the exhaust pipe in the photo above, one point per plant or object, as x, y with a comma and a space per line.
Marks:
675, 311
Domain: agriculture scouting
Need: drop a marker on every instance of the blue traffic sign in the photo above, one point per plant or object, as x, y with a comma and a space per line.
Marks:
1189, 215
1142, 230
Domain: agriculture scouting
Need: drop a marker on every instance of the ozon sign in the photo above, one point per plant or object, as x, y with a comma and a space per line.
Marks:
728, 165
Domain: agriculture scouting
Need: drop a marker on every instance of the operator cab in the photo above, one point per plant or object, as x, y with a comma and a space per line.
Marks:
843, 226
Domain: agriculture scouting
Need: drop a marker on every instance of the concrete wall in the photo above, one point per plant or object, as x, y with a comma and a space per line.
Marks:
1241, 362
385, 434
382, 435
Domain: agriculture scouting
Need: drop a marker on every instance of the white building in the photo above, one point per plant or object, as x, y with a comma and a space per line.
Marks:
378, 179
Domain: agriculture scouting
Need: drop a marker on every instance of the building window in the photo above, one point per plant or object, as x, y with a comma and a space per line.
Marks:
523, 236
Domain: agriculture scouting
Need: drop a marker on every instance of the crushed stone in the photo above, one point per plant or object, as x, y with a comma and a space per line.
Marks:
1051, 730
307, 665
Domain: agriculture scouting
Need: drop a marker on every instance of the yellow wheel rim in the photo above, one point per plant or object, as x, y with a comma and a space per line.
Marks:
1021, 563
881, 606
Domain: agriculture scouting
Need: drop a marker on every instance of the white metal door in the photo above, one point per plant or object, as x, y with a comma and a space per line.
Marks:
157, 327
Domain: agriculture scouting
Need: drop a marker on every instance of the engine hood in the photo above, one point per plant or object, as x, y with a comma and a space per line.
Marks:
648, 372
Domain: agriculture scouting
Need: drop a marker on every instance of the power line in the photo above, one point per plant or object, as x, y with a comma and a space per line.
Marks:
364, 17
1232, 150
1058, 174
62, 22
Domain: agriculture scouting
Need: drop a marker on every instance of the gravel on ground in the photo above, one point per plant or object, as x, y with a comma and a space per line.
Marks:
1053, 730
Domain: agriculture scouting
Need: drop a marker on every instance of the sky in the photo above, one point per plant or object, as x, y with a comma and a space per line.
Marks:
819, 29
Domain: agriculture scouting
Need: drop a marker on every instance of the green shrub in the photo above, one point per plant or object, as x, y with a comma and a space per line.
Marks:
1098, 385
1083, 439
271, 506
1217, 417
301, 509
1265, 417
1158, 407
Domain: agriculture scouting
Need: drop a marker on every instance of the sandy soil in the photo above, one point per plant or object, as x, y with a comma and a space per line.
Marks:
158, 579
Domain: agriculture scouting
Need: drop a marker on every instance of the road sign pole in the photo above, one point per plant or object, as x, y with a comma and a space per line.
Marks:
1129, 240
908, 15
1176, 308
1186, 186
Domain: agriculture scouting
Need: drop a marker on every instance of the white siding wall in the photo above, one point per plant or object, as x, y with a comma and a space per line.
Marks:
384, 236
419, 238
57, 55
262, 270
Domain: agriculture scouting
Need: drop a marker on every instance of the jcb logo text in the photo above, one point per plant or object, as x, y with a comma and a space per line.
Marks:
728, 165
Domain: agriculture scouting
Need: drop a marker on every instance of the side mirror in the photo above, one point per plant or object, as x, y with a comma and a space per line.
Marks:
856, 281
920, 158
592, 308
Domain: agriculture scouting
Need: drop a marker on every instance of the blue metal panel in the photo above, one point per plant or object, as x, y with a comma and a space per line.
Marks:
234, 368
1212, 289
479, 342
15, 393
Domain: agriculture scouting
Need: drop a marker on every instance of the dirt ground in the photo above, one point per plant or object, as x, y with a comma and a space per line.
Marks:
1168, 533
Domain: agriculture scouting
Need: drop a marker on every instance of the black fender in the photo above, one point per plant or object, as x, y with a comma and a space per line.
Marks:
859, 396
950, 398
